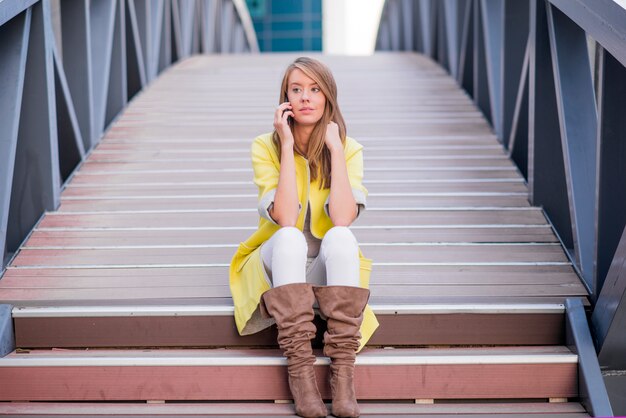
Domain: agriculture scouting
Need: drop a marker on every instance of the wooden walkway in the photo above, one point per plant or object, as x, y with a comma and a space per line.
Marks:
156, 211
122, 294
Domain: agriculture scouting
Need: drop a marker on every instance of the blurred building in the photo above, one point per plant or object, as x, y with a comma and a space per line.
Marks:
287, 25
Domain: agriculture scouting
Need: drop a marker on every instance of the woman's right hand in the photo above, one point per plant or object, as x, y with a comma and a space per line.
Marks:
283, 111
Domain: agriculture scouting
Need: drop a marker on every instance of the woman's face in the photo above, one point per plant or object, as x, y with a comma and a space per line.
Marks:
306, 98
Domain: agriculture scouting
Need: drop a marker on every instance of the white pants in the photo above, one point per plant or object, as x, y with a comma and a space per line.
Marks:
284, 256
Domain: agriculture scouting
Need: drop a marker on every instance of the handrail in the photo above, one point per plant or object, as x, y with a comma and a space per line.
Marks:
603, 20
58, 99
11, 8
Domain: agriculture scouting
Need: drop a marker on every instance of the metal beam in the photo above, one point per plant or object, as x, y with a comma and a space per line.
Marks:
466, 56
493, 32
244, 16
7, 334
609, 315
136, 69
592, 391
13, 49
36, 181
11, 8
102, 20
578, 127
480, 91
407, 25
165, 46
514, 50
117, 95
71, 146
518, 136
546, 182
603, 20
453, 17
76, 39
610, 182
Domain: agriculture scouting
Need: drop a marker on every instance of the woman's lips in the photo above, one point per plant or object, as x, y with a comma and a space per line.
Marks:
306, 110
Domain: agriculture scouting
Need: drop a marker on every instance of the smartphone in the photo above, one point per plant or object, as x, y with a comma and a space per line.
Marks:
289, 118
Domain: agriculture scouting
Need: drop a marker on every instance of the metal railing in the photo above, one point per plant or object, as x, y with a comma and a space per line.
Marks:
69, 67
550, 77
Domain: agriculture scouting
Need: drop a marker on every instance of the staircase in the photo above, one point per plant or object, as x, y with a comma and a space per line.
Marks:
87, 355
120, 298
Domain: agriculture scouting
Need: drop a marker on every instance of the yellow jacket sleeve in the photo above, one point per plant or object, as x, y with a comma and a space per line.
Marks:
354, 164
266, 169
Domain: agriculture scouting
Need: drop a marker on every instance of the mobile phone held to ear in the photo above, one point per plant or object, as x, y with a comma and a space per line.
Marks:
289, 118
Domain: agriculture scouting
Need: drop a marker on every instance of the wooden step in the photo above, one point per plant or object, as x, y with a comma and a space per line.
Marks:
266, 409
237, 375
213, 326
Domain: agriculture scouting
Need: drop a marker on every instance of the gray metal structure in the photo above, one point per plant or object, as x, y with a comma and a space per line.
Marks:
550, 77
62, 82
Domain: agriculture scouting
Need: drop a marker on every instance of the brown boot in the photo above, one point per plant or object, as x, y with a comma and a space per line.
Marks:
291, 306
343, 306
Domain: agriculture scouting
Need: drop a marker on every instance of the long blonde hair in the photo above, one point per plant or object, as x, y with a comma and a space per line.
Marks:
317, 153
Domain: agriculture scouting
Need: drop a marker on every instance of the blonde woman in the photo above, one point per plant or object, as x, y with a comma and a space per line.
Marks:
309, 175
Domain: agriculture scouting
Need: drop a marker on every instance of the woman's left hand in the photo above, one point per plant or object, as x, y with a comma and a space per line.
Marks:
332, 138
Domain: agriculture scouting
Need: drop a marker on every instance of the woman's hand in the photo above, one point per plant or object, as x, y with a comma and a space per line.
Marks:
283, 111
332, 138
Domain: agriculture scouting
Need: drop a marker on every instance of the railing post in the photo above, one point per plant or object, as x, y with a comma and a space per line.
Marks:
546, 182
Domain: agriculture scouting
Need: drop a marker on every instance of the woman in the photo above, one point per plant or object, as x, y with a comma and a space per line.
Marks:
309, 176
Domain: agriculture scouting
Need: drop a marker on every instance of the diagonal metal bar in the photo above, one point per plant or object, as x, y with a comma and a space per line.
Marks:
591, 386
102, 18
604, 20
77, 63
466, 65
117, 89
610, 182
578, 127
518, 137
69, 135
36, 190
10, 9
13, 57
492, 25
546, 182
515, 60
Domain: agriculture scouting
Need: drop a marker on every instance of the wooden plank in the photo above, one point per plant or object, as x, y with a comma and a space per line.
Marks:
242, 147
96, 238
197, 276
148, 376
406, 293
250, 218
373, 202
457, 162
190, 331
396, 253
84, 177
565, 410
148, 190
156, 153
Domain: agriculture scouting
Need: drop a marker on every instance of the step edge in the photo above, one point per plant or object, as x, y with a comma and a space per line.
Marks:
202, 310
13, 361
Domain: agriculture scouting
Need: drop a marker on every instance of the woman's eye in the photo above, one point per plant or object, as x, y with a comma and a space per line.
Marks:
295, 90
315, 89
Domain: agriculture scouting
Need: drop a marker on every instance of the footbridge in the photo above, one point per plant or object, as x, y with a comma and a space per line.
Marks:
494, 151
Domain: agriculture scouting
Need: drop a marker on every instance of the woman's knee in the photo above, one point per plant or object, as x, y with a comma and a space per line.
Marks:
340, 240
289, 242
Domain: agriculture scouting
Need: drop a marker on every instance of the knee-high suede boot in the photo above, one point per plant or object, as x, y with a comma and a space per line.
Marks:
291, 306
343, 306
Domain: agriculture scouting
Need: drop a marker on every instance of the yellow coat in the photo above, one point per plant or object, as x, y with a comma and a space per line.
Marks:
247, 278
